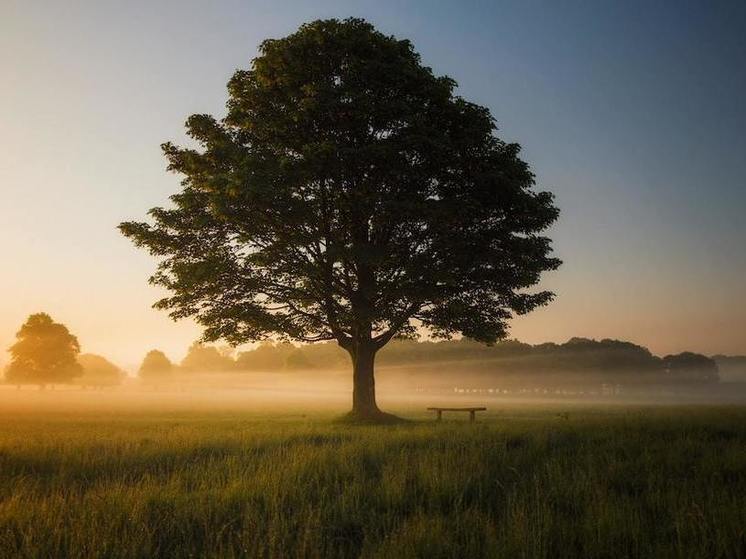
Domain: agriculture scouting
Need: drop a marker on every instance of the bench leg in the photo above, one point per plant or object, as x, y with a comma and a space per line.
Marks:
440, 415
472, 416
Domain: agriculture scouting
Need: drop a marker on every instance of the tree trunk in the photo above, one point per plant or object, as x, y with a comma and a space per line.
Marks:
363, 383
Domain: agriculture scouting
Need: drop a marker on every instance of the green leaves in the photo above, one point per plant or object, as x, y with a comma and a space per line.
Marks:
347, 192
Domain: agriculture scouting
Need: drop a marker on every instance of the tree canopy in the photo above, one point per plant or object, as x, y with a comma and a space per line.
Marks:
348, 195
45, 352
98, 371
155, 366
205, 358
692, 367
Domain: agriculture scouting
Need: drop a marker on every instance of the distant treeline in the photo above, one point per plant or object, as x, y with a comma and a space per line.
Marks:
606, 360
46, 353
732, 367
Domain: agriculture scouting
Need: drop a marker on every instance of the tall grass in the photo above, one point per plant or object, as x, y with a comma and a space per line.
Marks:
625, 483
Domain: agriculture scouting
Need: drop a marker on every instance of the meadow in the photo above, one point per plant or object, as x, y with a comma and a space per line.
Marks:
527, 480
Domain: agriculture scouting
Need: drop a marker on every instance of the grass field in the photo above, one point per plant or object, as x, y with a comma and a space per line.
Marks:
522, 482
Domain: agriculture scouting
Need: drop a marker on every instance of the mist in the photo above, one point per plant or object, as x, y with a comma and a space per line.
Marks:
406, 382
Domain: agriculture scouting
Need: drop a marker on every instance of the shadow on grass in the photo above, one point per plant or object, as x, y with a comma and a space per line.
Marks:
380, 418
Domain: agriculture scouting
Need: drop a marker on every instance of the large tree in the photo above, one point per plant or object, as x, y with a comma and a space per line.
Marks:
348, 195
45, 352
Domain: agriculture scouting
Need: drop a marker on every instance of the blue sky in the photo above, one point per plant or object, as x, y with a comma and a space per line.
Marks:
632, 113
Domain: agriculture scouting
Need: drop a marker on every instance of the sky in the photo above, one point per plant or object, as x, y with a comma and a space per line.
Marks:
632, 113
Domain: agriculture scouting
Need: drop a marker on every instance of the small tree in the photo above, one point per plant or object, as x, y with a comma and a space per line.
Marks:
348, 195
98, 371
156, 367
45, 353
206, 358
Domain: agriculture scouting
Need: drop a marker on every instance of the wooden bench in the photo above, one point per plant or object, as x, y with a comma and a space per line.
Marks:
472, 412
